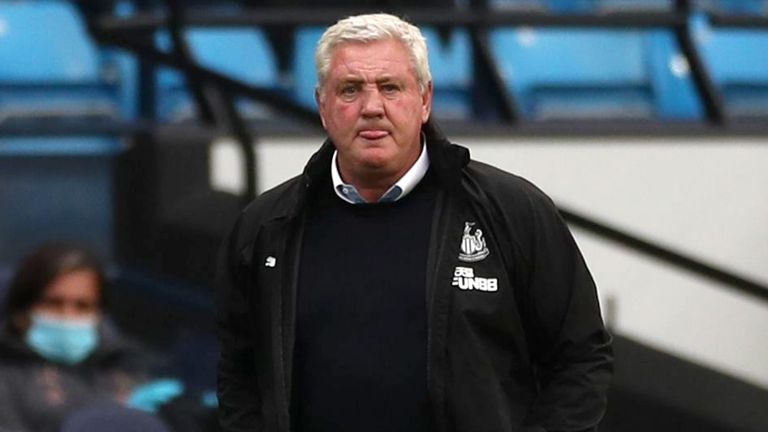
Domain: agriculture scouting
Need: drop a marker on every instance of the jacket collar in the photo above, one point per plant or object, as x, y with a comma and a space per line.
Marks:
447, 160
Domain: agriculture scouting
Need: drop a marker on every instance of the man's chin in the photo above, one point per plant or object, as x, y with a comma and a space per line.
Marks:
374, 164
374, 156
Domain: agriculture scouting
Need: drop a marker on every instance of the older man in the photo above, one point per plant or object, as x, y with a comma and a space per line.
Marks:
398, 286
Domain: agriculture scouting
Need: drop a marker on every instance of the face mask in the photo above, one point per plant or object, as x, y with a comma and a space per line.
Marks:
62, 340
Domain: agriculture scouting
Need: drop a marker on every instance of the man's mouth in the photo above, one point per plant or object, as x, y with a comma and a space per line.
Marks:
373, 134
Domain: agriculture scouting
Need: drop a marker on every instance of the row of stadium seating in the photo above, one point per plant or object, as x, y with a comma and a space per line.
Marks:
50, 67
570, 6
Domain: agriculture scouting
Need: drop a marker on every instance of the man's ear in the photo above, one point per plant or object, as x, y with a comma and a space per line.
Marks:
320, 105
426, 102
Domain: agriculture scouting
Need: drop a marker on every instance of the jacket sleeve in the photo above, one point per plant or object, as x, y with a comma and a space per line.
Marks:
10, 415
571, 348
239, 405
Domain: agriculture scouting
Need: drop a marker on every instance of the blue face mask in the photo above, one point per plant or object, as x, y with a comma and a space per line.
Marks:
62, 340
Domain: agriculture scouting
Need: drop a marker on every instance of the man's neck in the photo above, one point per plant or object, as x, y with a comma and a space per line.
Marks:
355, 184
372, 185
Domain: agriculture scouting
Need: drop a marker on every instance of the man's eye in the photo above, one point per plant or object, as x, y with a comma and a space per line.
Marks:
348, 91
390, 88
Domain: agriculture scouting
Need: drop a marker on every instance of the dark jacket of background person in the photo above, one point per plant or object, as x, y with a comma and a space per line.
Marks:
532, 356
36, 395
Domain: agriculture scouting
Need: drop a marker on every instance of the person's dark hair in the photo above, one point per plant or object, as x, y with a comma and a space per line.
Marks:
38, 270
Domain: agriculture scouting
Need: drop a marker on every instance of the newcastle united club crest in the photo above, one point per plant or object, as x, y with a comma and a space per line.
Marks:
473, 247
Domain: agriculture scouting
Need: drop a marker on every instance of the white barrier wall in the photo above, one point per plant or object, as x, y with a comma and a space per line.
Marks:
707, 198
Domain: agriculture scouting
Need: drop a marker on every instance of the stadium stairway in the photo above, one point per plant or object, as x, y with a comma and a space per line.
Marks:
655, 391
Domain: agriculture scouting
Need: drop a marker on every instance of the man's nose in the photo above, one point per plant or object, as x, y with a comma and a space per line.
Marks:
373, 105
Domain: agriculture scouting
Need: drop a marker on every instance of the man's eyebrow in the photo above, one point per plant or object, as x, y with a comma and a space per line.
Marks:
385, 78
351, 80
358, 80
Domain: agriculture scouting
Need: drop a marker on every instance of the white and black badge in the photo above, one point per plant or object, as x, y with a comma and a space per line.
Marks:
473, 246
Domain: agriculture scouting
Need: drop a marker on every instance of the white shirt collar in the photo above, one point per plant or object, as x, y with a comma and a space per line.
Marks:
401, 188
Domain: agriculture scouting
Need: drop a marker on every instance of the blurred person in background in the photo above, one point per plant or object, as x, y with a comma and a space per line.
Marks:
57, 354
397, 285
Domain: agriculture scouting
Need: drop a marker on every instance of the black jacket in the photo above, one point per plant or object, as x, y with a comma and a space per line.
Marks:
530, 355
36, 395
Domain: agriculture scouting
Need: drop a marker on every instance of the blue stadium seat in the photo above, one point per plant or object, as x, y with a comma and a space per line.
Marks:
35, 146
735, 6
241, 54
570, 5
558, 73
737, 62
121, 70
450, 63
48, 65
633, 5
527, 5
304, 76
673, 91
581, 6
543, 5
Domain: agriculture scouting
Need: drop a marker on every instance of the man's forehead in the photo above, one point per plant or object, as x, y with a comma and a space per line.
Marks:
354, 61
365, 50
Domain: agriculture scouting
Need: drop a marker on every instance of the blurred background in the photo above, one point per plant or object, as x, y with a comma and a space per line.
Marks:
141, 128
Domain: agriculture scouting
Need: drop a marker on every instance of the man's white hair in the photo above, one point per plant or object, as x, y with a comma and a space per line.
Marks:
371, 28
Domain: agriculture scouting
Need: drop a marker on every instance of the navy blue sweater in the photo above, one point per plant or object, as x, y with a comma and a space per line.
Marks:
360, 360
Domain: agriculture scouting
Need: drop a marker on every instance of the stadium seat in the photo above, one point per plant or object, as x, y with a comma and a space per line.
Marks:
737, 62
121, 69
560, 74
49, 68
304, 76
543, 5
450, 64
570, 5
241, 54
674, 93
633, 5
524, 5
735, 6
33, 146
581, 6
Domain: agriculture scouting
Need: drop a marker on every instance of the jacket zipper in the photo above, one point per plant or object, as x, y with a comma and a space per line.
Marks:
291, 284
437, 241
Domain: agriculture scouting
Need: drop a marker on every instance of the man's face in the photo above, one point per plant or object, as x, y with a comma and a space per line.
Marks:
372, 109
